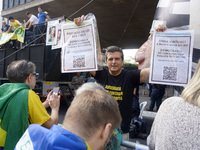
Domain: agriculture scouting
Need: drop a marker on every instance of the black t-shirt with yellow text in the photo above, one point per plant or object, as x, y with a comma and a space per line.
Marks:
121, 88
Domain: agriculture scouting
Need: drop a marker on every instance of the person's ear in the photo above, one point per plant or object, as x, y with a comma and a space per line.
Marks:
106, 132
106, 61
29, 78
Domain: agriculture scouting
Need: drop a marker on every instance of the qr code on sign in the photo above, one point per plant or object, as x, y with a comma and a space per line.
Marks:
170, 73
79, 61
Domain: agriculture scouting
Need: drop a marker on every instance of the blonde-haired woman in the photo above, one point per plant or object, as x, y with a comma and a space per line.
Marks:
177, 123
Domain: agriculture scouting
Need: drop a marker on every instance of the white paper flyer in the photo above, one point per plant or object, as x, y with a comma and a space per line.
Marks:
171, 57
79, 51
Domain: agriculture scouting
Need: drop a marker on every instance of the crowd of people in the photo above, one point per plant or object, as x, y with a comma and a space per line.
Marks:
34, 27
97, 109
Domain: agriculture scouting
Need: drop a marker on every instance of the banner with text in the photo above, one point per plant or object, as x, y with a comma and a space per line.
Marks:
171, 57
18, 35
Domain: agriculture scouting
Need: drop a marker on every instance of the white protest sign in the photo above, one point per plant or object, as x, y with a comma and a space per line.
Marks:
171, 57
51, 37
79, 51
59, 37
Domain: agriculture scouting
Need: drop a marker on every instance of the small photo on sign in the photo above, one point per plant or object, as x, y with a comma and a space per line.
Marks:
52, 34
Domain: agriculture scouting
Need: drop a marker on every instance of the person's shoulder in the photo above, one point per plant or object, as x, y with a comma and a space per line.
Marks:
33, 16
104, 70
43, 13
172, 101
17, 21
32, 94
174, 98
74, 77
131, 72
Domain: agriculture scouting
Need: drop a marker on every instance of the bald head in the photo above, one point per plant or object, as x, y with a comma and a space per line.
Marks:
89, 86
4, 23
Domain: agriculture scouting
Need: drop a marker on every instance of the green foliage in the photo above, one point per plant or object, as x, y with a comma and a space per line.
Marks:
130, 65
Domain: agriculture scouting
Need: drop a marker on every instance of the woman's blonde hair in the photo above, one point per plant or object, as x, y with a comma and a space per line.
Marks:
191, 93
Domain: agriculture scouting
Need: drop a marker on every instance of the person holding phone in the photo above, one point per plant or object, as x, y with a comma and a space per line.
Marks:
20, 106
81, 130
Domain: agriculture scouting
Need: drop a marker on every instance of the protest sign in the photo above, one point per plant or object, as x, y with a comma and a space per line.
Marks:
51, 37
171, 57
183, 13
81, 48
18, 35
59, 38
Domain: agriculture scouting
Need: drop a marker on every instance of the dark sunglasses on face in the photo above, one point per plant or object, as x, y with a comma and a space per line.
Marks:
36, 75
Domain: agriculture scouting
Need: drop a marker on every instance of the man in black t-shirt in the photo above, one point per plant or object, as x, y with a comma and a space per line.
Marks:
120, 83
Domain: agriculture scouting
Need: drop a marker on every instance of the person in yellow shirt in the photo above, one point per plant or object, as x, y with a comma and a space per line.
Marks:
13, 23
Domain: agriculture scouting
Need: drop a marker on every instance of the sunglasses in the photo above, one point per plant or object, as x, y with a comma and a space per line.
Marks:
36, 75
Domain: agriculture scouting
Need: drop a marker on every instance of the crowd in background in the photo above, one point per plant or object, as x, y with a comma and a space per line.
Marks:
35, 26
94, 113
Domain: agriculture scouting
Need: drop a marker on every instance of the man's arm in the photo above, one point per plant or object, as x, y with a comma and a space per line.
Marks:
27, 22
144, 75
47, 17
30, 24
9, 29
54, 103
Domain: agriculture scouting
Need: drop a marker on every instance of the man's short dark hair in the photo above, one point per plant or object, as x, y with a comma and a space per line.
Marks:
11, 17
40, 7
28, 13
18, 71
112, 49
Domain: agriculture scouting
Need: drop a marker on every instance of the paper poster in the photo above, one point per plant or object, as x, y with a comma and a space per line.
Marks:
51, 37
79, 51
181, 13
59, 37
171, 57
